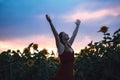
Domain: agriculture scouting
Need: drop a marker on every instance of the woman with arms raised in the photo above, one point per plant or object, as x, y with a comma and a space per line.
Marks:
65, 52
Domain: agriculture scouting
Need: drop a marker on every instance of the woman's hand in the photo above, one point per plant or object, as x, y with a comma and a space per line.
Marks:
48, 18
77, 22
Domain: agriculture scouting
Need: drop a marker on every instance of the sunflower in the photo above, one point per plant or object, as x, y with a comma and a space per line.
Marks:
18, 51
86, 51
53, 53
30, 62
103, 29
45, 51
35, 46
26, 50
93, 47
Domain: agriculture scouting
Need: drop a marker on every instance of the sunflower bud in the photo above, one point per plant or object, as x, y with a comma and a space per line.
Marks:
103, 29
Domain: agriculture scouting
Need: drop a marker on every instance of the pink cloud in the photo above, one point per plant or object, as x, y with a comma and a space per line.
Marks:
81, 43
81, 14
44, 41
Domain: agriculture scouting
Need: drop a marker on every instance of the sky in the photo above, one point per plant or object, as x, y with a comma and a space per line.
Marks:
23, 21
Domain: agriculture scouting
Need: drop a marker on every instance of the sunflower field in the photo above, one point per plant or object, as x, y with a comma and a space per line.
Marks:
97, 61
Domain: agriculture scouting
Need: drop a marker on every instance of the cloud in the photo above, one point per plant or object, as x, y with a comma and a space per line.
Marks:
81, 43
44, 41
84, 15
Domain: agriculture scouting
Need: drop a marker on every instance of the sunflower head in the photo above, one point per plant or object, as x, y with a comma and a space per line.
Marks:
30, 62
18, 51
26, 50
93, 47
35, 46
103, 29
52, 53
45, 51
86, 51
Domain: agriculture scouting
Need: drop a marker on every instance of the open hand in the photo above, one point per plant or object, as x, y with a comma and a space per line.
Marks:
48, 18
78, 22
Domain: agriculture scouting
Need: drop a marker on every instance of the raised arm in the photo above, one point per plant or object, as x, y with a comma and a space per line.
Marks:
59, 45
57, 39
52, 28
75, 32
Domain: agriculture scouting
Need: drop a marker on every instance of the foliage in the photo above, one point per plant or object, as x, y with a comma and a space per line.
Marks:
98, 61
27, 66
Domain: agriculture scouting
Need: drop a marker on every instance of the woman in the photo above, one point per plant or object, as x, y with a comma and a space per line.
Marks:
65, 52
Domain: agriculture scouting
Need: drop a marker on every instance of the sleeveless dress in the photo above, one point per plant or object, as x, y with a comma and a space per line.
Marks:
65, 69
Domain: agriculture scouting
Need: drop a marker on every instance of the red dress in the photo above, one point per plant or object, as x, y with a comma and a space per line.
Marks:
65, 69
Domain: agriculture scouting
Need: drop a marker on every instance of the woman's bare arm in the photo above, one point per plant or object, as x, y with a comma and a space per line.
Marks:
53, 28
59, 45
75, 32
